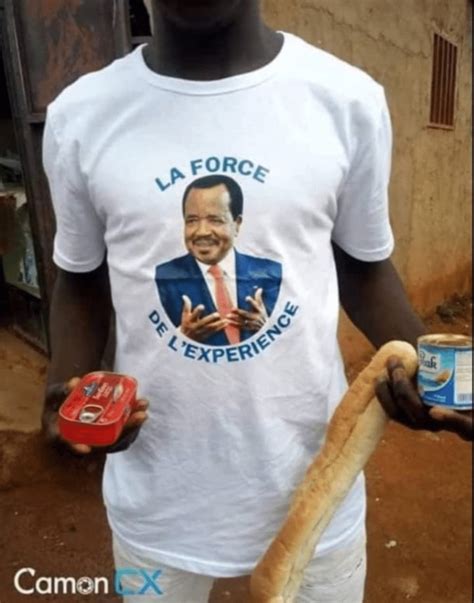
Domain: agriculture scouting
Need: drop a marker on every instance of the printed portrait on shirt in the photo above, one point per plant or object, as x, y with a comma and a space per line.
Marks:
215, 294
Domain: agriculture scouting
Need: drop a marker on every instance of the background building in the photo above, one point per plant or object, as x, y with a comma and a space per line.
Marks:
420, 51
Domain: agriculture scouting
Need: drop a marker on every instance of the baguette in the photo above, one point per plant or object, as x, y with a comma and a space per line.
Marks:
353, 433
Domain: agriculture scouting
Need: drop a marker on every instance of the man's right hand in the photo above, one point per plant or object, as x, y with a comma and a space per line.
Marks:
55, 396
197, 327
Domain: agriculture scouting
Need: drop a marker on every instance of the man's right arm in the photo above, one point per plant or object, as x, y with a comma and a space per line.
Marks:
79, 326
81, 302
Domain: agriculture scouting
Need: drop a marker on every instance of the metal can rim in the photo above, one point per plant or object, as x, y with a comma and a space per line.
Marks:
447, 340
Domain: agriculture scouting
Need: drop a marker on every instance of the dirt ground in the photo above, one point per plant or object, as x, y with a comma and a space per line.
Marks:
52, 518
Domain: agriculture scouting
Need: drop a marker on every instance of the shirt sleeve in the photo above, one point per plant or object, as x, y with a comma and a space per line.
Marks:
362, 226
79, 240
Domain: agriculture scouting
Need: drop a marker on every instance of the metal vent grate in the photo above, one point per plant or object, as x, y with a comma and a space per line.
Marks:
443, 85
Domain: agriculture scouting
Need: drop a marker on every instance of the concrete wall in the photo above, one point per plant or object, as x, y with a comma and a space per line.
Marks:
431, 185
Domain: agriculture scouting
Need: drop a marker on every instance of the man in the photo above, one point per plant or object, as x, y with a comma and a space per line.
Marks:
205, 485
214, 293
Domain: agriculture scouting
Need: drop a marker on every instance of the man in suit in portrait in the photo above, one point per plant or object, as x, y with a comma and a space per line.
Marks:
215, 294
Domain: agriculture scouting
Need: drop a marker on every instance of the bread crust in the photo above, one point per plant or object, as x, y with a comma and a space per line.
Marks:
353, 434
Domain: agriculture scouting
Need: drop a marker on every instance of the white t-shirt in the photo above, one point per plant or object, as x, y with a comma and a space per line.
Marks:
232, 428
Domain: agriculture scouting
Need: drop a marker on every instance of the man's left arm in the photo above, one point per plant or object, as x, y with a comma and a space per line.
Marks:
375, 300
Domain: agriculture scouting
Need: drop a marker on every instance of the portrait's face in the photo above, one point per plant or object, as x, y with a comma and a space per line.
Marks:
199, 15
209, 227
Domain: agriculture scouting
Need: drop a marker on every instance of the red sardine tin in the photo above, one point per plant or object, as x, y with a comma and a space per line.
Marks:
96, 410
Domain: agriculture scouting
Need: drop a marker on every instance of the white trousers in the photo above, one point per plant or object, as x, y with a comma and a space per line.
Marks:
338, 577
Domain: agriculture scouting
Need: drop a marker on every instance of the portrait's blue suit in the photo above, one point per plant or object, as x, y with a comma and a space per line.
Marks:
182, 276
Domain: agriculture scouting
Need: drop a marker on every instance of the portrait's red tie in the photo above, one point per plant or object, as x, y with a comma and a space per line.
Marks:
223, 302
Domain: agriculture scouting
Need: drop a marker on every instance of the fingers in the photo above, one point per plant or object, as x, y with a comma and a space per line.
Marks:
237, 322
213, 328
124, 442
455, 421
131, 428
238, 316
140, 405
72, 383
56, 393
384, 395
196, 313
204, 327
209, 325
248, 325
404, 392
55, 396
251, 321
211, 318
66, 447
136, 419
257, 301
187, 306
240, 319
218, 326
138, 416
79, 449
188, 312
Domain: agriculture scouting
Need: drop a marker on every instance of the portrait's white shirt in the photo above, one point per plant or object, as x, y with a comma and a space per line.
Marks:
227, 266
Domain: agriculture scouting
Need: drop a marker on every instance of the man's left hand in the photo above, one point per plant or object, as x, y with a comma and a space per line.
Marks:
254, 319
399, 397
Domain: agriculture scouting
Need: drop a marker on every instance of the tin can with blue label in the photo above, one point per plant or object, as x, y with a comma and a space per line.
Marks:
445, 371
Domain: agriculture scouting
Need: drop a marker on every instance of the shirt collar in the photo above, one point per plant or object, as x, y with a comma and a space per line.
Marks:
227, 264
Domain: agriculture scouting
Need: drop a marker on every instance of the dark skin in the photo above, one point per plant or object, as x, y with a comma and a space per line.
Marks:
375, 300
210, 40
79, 324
